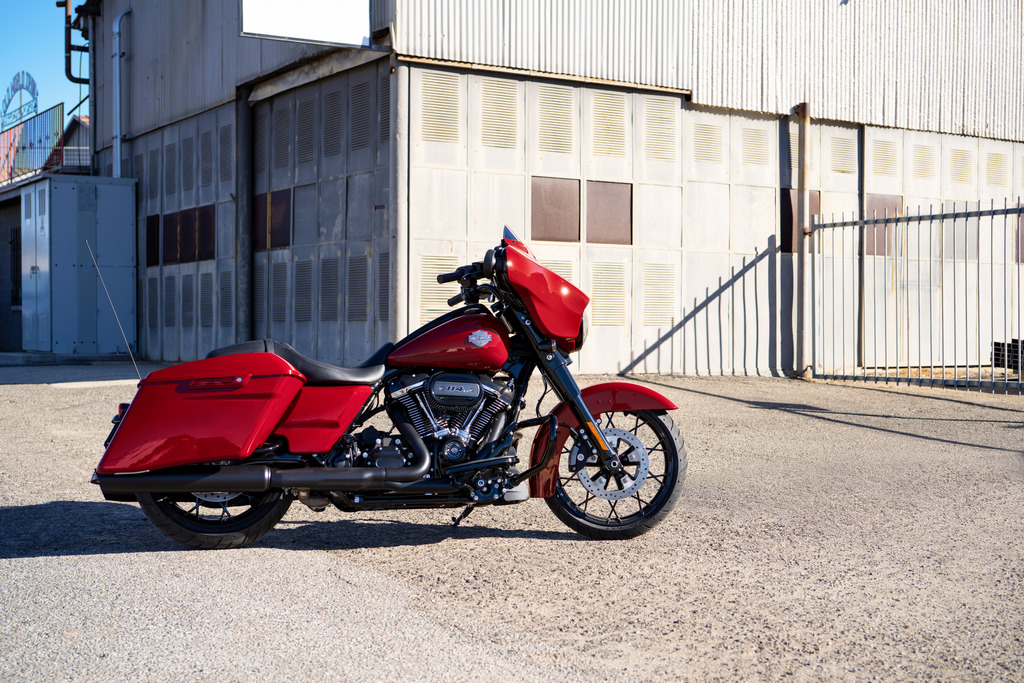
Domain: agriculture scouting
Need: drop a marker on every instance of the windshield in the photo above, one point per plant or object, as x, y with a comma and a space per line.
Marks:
509, 238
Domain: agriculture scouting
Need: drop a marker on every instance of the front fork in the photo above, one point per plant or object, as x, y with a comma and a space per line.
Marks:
555, 366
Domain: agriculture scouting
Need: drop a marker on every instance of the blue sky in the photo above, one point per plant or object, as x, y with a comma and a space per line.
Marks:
34, 42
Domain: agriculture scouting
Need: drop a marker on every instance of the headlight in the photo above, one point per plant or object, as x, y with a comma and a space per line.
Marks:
584, 331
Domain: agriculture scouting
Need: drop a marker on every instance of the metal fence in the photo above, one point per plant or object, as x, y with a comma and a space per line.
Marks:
933, 298
34, 145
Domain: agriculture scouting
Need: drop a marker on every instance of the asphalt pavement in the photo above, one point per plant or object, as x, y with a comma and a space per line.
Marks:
826, 531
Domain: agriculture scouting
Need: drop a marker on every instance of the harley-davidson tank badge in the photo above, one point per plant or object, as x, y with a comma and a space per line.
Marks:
480, 338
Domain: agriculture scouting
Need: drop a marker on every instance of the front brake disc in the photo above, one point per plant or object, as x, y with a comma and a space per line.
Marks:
635, 465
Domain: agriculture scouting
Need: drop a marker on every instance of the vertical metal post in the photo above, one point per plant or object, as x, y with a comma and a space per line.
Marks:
803, 112
116, 114
401, 144
244, 180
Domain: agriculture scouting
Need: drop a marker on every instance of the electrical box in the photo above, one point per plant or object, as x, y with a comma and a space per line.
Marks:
65, 309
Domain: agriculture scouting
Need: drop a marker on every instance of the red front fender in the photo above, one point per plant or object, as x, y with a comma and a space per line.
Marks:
600, 398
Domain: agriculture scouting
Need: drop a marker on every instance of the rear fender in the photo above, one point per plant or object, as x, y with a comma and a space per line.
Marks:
600, 398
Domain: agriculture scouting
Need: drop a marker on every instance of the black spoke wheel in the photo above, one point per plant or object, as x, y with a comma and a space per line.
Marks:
215, 520
599, 504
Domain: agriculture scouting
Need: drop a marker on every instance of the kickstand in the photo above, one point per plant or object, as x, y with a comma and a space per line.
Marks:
465, 513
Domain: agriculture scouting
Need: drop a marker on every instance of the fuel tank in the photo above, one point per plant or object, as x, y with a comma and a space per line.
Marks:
474, 341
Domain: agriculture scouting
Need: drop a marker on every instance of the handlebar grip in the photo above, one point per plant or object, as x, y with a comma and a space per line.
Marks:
448, 277
457, 299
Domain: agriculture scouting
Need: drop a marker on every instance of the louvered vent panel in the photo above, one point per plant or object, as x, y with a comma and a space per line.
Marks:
188, 300
708, 144
660, 293
844, 155
154, 173
384, 287
556, 126
660, 130
28, 207
566, 269
499, 113
139, 171
279, 292
188, 163
755, 147
303, 291
434, 297
305, 145
259, 293
225, 298
41, 201
385, 107
329, 281
362, 108
281, 138
925, 162
170, 299
997, 170
440, 108
206, 299
609, 124
332, 123
153, 302
609, 293
44, 330
884, 160
170, 168
961, 166
259, 159
794, 152
206, 158
226, 157
358, 281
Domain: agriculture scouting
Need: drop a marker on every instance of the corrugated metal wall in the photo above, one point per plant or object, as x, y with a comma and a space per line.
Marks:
181, 58
951, 67
633, 41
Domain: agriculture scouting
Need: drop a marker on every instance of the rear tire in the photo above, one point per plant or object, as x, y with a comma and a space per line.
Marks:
596, 505
215, 520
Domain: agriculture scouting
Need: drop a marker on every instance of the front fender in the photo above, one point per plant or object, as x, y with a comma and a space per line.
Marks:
600, 398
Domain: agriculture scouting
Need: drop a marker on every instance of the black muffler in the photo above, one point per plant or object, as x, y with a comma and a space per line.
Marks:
259, 478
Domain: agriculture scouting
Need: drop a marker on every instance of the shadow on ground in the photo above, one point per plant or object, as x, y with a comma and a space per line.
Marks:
70, 528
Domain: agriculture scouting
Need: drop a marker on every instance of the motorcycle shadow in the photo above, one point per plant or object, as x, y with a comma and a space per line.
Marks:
66, 528
358, 532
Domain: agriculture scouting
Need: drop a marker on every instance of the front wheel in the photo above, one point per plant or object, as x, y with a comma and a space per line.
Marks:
214, 520
599, 504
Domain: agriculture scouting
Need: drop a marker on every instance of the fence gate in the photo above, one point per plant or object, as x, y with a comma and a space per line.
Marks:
932, 299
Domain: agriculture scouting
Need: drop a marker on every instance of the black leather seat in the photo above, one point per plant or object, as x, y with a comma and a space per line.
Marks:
317, 373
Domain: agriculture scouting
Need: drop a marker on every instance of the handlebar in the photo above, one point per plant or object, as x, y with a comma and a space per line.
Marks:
449, 277
467, 276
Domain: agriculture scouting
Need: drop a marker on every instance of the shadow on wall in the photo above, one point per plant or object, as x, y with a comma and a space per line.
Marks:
742, 325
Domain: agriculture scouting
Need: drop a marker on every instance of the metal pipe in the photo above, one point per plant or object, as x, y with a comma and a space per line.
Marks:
803, 112
69, 48
116, 118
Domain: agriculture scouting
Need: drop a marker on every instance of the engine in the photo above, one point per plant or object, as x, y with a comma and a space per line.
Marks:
454, 413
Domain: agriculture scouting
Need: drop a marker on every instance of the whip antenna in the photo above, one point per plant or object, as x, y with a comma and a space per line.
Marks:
111, 302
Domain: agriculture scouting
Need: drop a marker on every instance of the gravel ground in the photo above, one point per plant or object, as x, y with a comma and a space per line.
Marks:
826, 531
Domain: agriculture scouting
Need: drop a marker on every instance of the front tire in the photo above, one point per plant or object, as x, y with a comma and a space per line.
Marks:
597, 505
214, 520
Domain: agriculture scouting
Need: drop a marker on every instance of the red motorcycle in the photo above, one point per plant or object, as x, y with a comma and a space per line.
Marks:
216, 450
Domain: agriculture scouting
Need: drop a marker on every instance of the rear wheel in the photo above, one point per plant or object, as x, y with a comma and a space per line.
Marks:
215, 520
600, 504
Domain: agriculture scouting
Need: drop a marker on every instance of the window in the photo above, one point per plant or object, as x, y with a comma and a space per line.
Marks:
555, 212
609, 213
